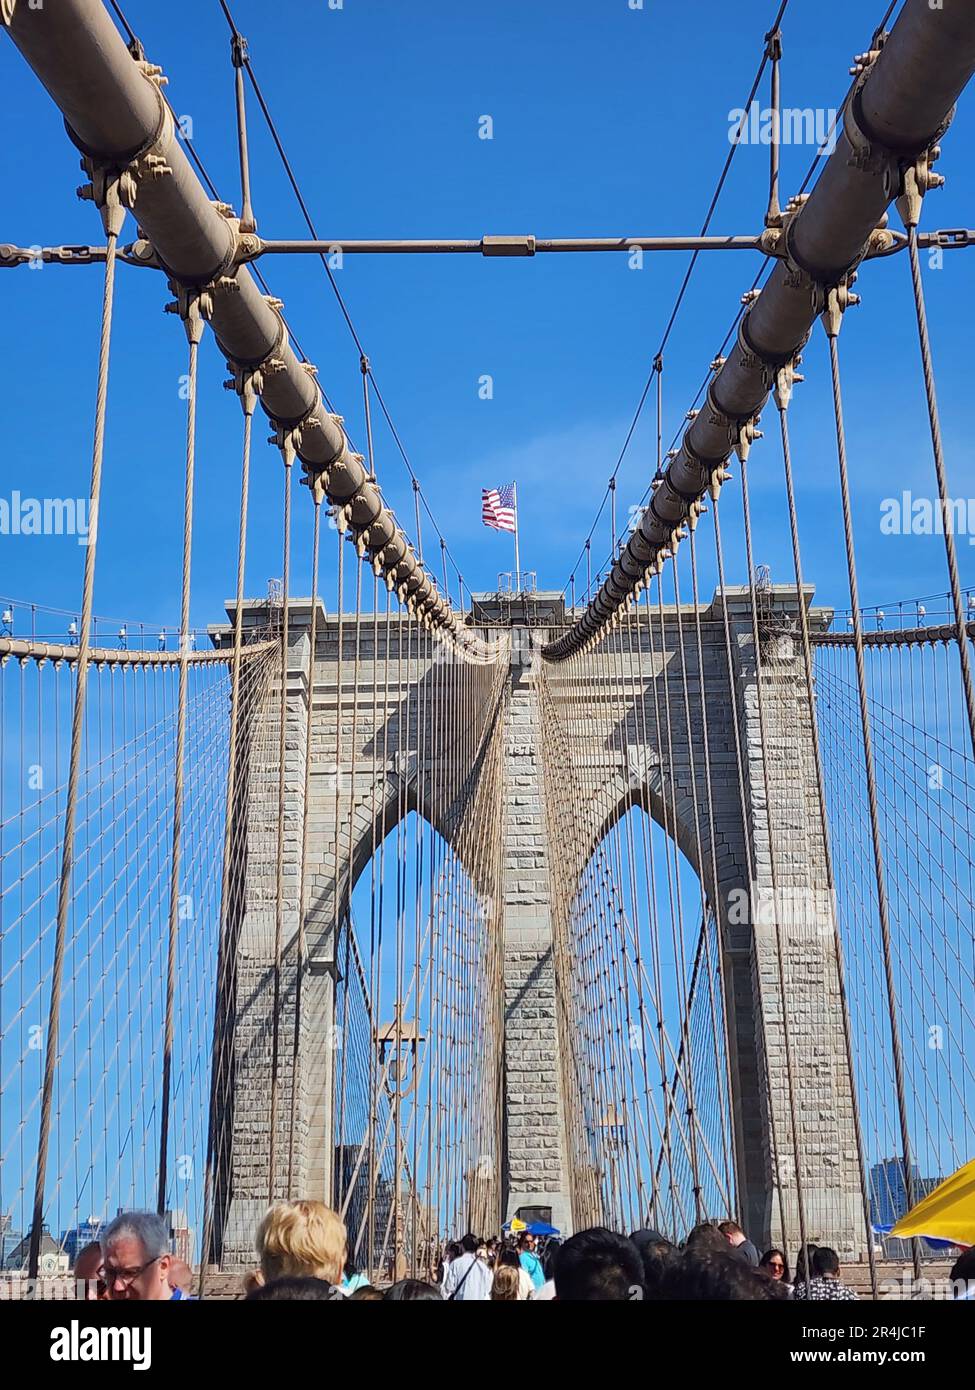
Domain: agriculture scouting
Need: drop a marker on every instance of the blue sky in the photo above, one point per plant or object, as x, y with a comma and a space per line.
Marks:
606, 121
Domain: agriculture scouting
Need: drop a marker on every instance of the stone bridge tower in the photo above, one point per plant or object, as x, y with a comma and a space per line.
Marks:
392, 748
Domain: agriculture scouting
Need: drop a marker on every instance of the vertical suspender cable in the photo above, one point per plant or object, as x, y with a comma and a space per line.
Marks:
317, 497
773, 858
337, 880
287, 455
782, 397
749, 845
344, 1032
713, 855
238, 53
677, 920
934, 418
193, 323
113, 215
832, 320
247, 386
773, 52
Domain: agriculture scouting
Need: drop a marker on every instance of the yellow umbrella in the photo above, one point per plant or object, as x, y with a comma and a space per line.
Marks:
947, 1213
517, 1225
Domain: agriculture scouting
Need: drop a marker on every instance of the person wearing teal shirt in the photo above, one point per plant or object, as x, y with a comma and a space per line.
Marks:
530, 1262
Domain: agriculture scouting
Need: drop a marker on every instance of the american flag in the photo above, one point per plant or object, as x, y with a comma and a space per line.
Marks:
498, 507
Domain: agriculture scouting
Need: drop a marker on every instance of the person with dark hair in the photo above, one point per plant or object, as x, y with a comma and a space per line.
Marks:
715, 1277
508, 1259
452, 1251
705, 1238
366, 1293
547, 1291
412, 1291
739, 1242
352, 1279
467, 1278
598, 1266
530, 1262
295, 1288
656, 1252
963, 1277
776, 1266
825, 1285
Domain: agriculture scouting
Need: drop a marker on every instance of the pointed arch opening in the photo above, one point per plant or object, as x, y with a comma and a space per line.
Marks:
647, 1039
417, 1050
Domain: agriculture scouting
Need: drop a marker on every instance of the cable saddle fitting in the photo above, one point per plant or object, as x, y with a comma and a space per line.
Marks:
194, 305
836, 300
918, 179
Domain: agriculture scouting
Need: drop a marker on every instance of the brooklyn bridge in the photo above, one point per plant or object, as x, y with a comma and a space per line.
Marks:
638, 895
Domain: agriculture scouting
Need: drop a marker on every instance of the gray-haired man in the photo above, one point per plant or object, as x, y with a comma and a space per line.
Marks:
136, 1257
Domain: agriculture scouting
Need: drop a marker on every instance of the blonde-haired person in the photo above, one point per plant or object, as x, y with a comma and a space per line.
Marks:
302, 1239
505, 1288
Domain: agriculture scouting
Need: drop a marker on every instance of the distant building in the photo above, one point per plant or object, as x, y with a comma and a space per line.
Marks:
75, 1240
180, 1234
51, 1259
889, 1202
888, 1191
352, 1192
9, 1240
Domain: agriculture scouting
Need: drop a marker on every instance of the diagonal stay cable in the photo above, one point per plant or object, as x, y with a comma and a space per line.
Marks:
657, 363
309, 222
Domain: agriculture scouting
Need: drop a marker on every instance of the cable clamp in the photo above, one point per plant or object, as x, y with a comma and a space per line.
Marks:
719, 477
785, 379
748, 432
248, 382
194, 305
774, 238
111, 189
917, 179
835, 300
868, 154
288, 440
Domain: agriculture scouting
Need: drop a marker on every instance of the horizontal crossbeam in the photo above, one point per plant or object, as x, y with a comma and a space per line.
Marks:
139, 253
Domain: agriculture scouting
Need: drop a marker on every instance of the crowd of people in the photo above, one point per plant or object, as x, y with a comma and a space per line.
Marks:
302, 1255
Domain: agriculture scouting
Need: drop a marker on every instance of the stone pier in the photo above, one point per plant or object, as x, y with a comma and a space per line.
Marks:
769, 851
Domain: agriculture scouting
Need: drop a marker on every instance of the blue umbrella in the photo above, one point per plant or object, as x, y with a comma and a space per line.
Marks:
886, 1228
541, 1228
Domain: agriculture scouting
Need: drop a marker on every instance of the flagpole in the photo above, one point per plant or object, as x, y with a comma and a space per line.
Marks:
514, 498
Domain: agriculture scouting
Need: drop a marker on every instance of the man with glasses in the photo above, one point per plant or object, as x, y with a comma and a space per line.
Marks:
136, 1259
